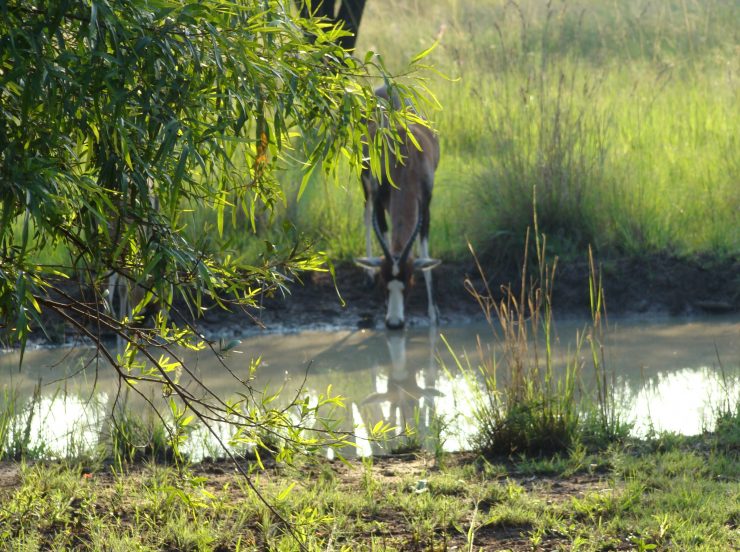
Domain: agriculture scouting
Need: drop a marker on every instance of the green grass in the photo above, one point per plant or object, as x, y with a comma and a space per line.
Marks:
682, 497
623, 116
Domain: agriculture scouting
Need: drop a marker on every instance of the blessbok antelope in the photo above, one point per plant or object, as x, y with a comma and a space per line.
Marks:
404, 192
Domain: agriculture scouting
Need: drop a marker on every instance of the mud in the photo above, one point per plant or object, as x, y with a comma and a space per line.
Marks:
650, 286
657, 285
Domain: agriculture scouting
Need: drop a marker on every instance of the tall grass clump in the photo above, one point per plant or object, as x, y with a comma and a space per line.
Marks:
525, 407
528, 403
544, 134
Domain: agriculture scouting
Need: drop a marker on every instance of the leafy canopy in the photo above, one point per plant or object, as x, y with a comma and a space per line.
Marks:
119, 117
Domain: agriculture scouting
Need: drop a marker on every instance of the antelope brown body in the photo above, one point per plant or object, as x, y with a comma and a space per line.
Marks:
403, 192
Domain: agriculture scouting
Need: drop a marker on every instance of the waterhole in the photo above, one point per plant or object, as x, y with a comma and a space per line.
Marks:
664, 374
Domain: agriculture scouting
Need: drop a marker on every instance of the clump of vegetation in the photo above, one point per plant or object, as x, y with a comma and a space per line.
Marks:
528, 404
134, 438
17, 424
727, 426
525, 407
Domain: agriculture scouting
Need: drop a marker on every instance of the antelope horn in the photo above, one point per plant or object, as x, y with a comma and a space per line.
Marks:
410, 243
379, 234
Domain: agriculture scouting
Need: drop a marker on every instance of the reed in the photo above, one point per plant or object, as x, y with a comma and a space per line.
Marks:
528, 400
525, 406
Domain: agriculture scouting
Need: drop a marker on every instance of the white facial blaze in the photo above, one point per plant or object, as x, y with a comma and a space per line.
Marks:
394, 317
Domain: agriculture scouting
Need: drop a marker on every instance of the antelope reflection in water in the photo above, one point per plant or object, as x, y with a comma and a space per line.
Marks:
404, 398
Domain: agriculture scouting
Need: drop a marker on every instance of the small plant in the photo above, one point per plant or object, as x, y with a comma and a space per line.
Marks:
436, 437
369, 483
526, 406
410, 438
472, 529
16, 426
727, 427
641, 544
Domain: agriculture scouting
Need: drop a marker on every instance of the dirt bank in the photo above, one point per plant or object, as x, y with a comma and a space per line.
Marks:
650, 286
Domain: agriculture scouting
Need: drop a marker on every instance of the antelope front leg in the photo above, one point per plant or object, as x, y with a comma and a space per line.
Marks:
369, 241
433, 310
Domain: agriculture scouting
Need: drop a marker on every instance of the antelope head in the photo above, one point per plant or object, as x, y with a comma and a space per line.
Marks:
396, 273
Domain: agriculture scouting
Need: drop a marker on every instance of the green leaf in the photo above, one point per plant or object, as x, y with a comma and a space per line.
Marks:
181, 164
305, 179
285, 492
418, 57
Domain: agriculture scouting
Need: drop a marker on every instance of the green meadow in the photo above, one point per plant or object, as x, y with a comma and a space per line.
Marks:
618, 120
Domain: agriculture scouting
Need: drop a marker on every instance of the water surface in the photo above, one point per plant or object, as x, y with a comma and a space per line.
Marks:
667, 374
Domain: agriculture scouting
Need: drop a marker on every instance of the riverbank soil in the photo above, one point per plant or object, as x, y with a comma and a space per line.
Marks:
652, 286
669, 494
658, 285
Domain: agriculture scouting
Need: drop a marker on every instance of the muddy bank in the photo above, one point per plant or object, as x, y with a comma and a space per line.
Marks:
650, 286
